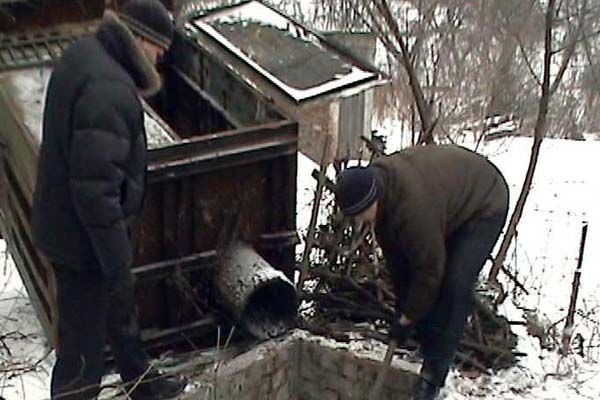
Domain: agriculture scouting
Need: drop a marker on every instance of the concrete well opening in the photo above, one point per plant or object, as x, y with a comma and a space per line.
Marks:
302, 369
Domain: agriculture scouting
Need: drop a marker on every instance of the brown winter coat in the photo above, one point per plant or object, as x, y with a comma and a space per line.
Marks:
427, 193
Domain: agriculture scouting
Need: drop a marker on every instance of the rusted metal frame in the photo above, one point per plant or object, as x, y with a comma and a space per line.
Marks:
61, 39
205, 96
223, 150
60, 43
48, 46
11, 53
226, 159
26, 53
278, 240
25, 65
34, 48
161, 269
214, 142
153, 338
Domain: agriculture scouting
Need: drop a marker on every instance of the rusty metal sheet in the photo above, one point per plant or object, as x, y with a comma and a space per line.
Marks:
222, 150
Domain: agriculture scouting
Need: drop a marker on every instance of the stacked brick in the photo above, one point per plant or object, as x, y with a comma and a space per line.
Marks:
302, 370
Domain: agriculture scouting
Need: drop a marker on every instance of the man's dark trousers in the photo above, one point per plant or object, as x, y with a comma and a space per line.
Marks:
90, 311
441, 330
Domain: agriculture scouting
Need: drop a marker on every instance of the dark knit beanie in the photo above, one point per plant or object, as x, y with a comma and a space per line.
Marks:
149, 19
356, 190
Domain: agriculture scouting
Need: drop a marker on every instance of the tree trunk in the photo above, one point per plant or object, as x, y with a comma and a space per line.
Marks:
539, 133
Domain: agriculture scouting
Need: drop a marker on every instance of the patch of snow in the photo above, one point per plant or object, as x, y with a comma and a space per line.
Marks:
26, 89
156, 135
363, 347
24, 345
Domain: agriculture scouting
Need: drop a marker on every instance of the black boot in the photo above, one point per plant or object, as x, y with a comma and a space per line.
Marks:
159, 387
424, 390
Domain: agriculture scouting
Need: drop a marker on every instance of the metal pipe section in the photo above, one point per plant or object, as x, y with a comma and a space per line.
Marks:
258, 296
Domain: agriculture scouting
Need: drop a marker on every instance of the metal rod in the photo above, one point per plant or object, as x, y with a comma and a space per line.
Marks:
566, 339
310, 236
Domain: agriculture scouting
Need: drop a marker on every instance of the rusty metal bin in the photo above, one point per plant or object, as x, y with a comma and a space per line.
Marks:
208, 161
221, 148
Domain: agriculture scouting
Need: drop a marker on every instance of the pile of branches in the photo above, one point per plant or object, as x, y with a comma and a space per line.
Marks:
350, 290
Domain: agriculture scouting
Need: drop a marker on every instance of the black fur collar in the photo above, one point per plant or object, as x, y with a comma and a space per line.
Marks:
120, 42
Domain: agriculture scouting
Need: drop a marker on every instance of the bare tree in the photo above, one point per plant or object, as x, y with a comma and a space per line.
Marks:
572, 24
467, 60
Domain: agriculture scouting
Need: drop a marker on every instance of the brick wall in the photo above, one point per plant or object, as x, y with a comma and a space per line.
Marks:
262, 373
301, 370
336, 374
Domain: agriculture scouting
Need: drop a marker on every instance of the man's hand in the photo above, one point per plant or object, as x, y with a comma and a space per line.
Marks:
401, 329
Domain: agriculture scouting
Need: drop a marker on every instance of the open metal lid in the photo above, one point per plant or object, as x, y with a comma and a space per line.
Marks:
284, 55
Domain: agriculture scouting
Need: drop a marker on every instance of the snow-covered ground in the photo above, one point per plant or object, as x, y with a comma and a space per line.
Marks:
22, 342
566, 192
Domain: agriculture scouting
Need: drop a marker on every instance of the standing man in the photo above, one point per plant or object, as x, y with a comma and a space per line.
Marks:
438, 211
90, 184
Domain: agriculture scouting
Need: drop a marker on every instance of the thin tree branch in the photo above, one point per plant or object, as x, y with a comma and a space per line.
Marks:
569, 52
539, 132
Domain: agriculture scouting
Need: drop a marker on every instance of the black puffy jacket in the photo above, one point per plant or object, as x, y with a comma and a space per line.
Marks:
92, 162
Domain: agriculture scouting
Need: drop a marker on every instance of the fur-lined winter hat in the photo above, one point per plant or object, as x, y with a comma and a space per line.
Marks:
149, 19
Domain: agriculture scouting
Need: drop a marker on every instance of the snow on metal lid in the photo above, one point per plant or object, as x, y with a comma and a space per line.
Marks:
294, 59
26, 90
